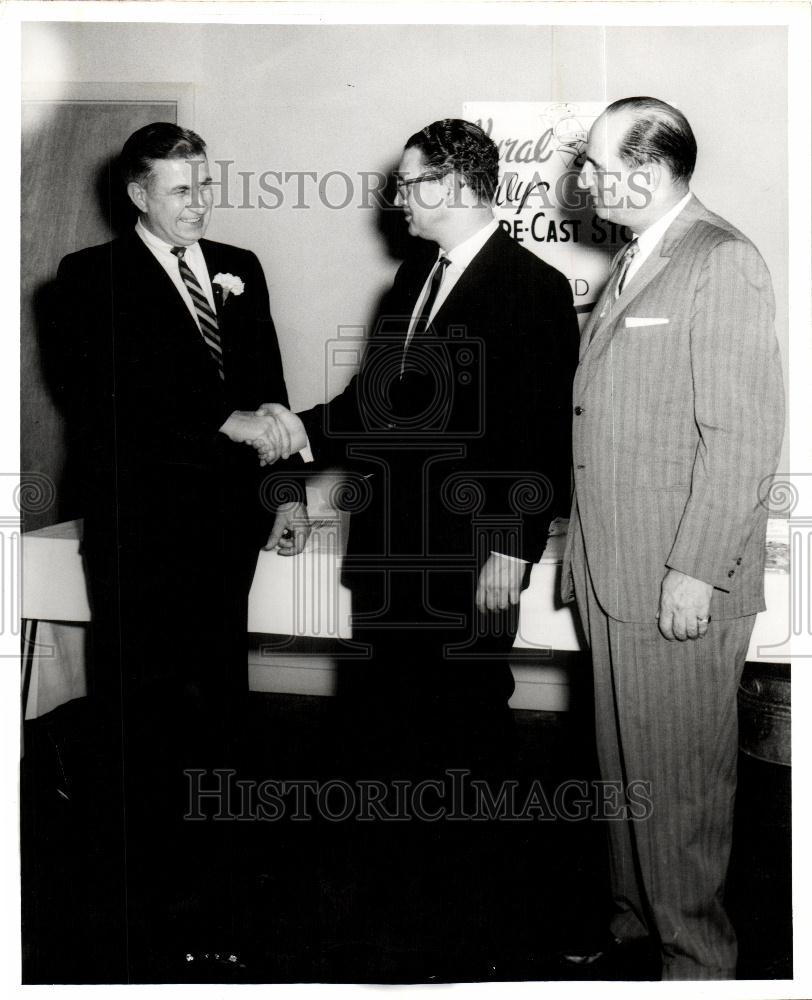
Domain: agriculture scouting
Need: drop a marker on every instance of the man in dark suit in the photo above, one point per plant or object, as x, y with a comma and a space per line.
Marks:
455, 433
456, 429
172, 349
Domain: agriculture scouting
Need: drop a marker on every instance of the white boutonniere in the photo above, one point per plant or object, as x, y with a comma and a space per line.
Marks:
228, 284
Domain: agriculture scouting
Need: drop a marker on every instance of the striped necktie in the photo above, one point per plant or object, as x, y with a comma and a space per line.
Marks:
206, 319
617, 279
629, 254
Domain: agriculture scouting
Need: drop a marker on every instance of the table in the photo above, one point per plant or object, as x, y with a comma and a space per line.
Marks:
302, 597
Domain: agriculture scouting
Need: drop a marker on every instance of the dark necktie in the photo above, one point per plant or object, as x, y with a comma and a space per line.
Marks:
436, 280
625, 263
617, 278
205, 317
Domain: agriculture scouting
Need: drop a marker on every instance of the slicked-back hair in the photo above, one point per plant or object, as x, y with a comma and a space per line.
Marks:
455, 144
659, 134
158, 141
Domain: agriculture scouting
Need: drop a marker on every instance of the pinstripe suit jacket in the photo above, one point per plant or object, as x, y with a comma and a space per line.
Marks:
677, 422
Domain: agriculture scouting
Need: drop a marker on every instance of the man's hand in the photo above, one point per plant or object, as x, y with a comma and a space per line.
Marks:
262, 432
500, 583
274, 444
289, 427
291, 530
684, 606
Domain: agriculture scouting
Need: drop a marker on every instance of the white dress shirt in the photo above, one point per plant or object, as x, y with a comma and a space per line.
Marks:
162, 252
649, 238
460, 257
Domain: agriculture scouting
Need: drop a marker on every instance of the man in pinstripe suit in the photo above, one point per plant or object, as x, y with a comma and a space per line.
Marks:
678, 417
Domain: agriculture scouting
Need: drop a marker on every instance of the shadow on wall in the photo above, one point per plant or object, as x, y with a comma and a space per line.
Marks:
61, 367
390, 223
113, 201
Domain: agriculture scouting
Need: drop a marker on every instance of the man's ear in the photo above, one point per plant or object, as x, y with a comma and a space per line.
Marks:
649, 176
137, 195
656, 170
453, 184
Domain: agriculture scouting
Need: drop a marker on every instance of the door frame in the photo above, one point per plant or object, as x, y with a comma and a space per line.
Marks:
183, 95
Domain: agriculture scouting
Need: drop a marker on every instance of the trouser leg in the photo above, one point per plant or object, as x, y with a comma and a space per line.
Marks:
628, 921
677, 711
666, 718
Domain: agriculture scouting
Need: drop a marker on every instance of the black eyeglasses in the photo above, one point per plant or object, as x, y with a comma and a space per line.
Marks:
403, 185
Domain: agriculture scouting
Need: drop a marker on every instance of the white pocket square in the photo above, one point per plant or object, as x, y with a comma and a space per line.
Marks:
631, 321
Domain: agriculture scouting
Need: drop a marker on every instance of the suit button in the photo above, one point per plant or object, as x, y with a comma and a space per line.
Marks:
580, 466
731, 572
578, 411
738, 562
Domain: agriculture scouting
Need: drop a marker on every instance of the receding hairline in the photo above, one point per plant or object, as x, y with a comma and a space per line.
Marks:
626, 116
647, 113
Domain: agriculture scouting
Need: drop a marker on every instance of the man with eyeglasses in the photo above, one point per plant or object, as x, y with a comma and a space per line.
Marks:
455, 434
457, 431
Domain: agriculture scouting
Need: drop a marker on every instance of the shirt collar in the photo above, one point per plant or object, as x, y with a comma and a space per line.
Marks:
650, 237
462, 254
155, 243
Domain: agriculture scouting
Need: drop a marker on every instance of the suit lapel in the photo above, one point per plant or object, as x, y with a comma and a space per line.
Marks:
608, 313
597, 317
212, 261
163, 296
473, 282
216, 262
154, 294
413, 291
609, 310
655, 262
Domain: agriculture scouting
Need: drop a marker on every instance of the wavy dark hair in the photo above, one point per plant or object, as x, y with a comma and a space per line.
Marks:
458, 145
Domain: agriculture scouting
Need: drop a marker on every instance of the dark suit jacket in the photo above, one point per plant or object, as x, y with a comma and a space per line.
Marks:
469, 451
150, 401
175, 513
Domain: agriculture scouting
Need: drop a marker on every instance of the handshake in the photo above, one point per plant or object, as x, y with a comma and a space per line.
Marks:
272, 430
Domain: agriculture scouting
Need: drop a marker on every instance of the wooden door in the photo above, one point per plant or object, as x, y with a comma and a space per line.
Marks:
71, 198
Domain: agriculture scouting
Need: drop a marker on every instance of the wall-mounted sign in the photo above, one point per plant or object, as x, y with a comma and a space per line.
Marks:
539, 202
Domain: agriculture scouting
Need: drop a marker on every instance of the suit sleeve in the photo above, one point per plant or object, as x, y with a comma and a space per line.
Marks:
270, 385
527, 432
738, 410
86, 360
331, 426
269, 371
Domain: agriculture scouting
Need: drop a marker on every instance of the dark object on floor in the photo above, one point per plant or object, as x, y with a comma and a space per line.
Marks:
765, 712
613, 960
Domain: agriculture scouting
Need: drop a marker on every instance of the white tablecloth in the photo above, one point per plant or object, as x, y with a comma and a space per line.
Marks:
303, 596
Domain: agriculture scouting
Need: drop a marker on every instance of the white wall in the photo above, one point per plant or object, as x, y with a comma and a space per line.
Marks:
326, 98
